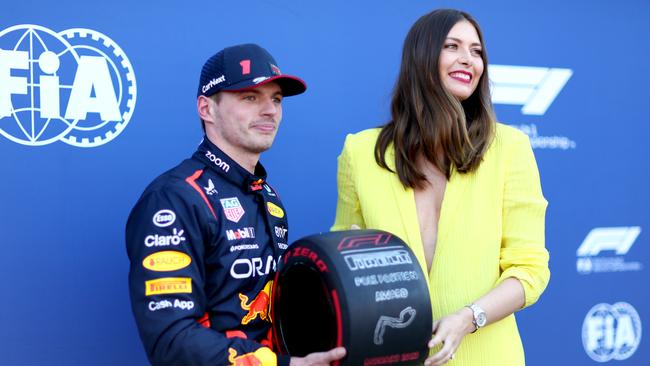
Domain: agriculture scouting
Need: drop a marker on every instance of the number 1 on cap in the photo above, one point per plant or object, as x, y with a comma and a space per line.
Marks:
245, 66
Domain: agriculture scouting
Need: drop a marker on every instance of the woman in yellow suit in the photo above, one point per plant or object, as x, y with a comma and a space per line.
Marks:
461, 189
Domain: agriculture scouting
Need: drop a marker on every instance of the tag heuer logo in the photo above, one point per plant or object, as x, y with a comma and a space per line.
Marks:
232, 209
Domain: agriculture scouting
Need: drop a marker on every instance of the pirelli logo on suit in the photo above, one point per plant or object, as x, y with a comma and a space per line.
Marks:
168, 285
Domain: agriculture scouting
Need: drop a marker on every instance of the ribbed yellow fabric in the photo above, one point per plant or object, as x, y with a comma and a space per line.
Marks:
491, 227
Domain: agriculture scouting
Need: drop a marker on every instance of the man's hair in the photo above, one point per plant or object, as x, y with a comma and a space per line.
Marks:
216, 98
426, 119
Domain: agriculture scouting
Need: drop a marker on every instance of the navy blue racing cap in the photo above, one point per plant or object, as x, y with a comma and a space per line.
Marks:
244, 67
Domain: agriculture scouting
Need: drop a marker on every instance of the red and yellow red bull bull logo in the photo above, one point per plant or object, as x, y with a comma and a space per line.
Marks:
262, 356
260, 305
257, 185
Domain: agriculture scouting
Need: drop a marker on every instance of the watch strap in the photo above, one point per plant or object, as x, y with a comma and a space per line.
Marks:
476, 312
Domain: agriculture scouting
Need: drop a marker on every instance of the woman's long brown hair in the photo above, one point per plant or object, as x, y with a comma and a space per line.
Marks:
427, 121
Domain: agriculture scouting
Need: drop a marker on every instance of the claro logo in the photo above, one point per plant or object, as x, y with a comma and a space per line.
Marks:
156, 240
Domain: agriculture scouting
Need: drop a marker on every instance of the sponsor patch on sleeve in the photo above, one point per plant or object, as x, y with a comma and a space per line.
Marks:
169, 304
166, 260
164, 218
275, 210
168, 285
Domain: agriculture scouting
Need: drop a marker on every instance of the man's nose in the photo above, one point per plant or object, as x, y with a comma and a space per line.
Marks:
269, 107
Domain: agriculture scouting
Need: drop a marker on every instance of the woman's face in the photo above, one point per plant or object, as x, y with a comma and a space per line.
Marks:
460, 63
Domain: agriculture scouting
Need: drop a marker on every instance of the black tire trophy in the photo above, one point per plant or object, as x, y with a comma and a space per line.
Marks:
360, 289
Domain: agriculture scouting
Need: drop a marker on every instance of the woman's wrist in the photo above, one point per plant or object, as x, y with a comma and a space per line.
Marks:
468, 319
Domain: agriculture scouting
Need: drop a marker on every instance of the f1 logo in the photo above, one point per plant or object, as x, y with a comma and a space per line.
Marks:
618, 239
533, 87
352, 242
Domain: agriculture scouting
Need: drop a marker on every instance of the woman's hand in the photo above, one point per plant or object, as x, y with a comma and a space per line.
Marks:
449, 331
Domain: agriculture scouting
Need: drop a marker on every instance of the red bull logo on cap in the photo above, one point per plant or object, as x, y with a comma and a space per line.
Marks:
260, 305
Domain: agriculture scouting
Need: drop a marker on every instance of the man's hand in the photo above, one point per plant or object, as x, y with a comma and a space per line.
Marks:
319, 358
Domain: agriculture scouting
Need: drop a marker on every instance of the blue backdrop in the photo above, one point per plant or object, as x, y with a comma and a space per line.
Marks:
570, 74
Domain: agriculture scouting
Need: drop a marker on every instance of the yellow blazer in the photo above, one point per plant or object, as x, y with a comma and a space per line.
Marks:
491, 227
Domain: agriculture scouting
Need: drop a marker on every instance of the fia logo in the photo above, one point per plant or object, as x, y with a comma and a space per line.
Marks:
611, 332
75, 86
533, 87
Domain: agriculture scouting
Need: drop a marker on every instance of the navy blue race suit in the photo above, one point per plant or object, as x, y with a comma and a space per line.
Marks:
204, 240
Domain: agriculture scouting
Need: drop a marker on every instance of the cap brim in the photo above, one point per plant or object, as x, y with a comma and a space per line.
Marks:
290, 85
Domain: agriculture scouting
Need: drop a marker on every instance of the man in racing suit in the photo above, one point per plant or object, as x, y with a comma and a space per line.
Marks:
205, 237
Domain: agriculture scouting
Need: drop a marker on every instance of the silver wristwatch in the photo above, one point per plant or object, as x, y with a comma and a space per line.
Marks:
480, 318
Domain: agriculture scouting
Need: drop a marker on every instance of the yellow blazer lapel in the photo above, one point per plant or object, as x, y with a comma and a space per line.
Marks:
405, 201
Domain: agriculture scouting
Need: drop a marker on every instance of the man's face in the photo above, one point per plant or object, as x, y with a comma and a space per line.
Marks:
246, 122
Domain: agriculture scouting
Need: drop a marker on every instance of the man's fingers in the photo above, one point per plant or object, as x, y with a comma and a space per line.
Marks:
329, 356
336, 353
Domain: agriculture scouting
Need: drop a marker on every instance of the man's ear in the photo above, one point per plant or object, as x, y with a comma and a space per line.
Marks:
203, 108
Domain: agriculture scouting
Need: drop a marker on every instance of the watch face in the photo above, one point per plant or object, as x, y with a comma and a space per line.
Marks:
481, 319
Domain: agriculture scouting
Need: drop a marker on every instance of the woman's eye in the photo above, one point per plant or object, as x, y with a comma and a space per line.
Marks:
477, 52
451, 46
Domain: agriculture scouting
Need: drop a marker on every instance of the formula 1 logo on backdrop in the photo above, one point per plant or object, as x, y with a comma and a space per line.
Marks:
604, 250
75, 86
611, 332
535, 89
